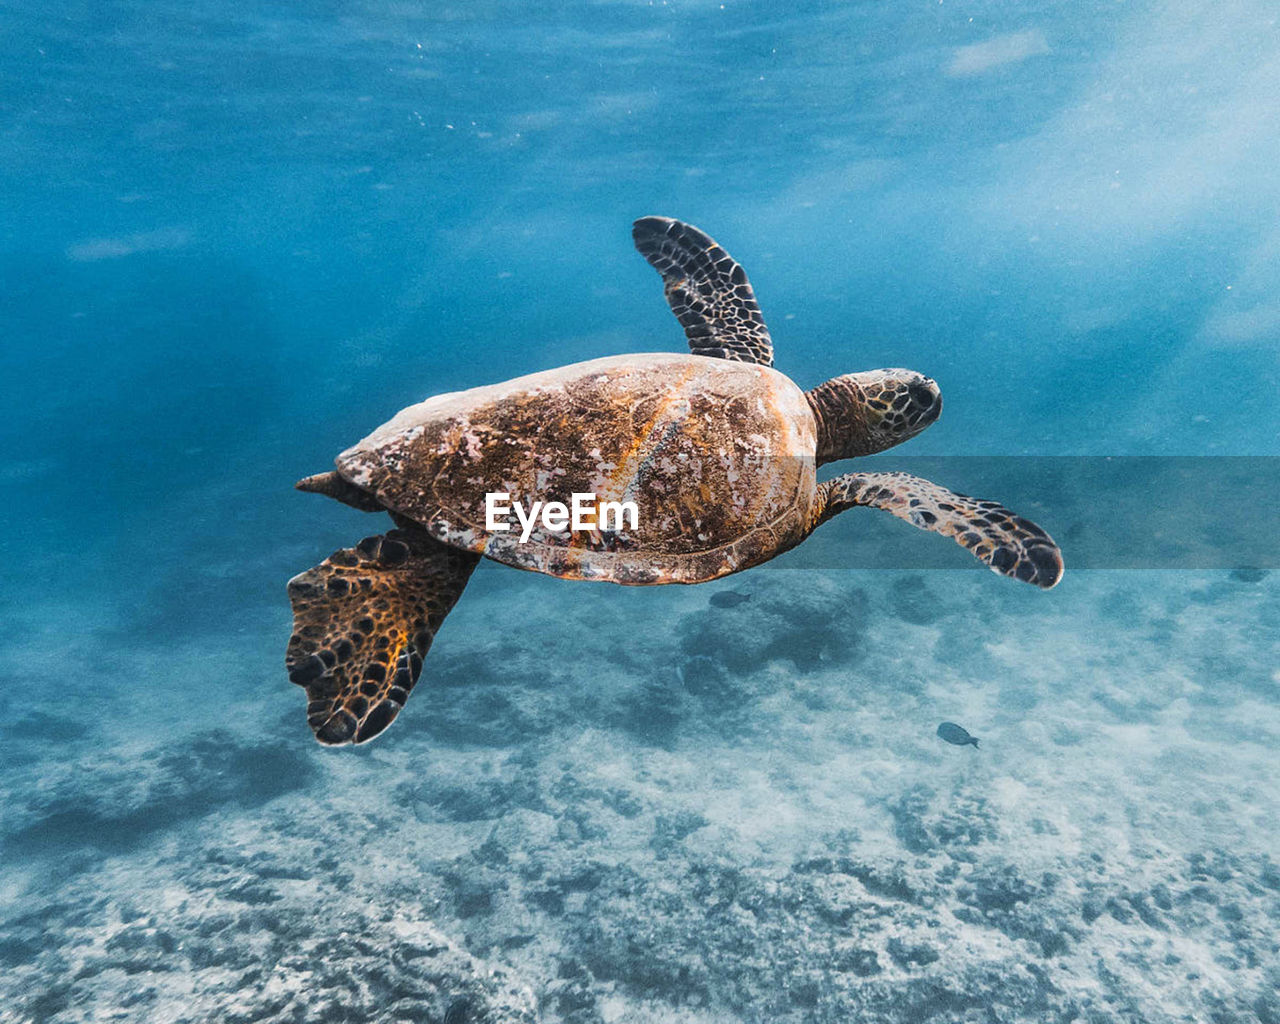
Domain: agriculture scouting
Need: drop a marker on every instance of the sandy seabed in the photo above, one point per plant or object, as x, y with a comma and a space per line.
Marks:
609, 805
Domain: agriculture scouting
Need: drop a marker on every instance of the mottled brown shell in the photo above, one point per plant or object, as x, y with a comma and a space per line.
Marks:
717, 455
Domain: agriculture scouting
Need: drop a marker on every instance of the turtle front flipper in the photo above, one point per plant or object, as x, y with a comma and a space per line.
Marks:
1006, 542
707, 290
363, 620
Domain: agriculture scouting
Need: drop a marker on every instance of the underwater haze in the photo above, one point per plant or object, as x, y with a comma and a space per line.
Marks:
236, 237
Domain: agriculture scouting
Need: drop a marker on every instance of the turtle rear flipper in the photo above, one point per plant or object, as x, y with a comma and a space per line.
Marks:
1006, 542
363, 620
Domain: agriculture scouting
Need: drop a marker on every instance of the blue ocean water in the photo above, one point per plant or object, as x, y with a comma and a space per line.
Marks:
235, 238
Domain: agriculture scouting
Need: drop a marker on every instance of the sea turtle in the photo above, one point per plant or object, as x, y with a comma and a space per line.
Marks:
716, 450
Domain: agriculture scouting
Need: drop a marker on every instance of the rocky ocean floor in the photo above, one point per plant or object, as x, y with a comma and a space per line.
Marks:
609, 805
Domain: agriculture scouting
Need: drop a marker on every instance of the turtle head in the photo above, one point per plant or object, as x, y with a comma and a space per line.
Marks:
865, 413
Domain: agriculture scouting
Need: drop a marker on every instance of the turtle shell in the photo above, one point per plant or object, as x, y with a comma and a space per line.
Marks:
718, 457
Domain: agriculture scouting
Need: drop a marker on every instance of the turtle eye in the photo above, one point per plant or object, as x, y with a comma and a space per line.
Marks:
921, 396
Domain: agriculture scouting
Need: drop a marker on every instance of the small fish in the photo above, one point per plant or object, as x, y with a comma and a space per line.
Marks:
1244, 574
953, 733
457, 1012
728, 599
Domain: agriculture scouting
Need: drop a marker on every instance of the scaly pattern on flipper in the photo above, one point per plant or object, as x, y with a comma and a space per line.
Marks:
1006, 542
707, 290
363, 620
